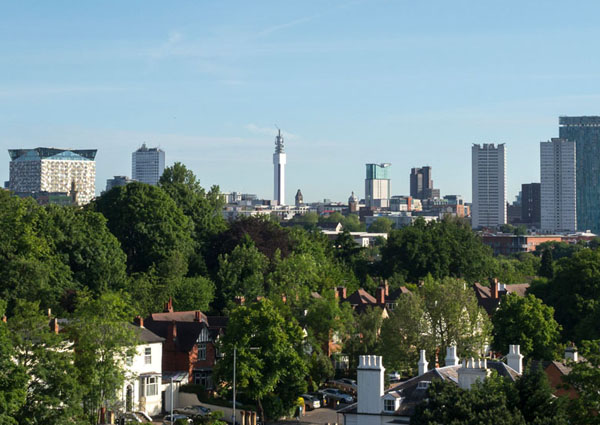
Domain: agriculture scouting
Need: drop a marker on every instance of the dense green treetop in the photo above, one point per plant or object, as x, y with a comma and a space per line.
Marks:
441, 249
585, 379
528, 322
381, 225
148, 223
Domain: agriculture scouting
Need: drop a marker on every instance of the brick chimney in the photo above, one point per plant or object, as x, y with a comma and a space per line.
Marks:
172, 333
139, 321
387, 287
494, 288
54, 328
239, 299
197, 316
381, 295
168, 306
340, 293
4, 319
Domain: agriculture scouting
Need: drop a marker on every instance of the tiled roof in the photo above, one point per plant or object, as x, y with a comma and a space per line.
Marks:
178, 316
361, 297
396, 294
146, 335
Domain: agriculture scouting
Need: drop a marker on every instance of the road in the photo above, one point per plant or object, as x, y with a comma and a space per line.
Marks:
317, 417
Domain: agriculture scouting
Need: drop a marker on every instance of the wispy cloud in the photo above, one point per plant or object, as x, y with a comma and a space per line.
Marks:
286, 25
269, 131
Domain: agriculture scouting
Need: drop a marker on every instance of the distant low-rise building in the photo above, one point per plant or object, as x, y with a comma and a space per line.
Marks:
117, 181
503, 244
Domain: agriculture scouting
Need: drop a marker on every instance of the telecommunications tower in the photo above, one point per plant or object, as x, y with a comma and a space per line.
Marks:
279, 160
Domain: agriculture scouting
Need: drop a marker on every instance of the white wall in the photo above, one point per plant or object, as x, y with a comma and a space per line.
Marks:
135, 375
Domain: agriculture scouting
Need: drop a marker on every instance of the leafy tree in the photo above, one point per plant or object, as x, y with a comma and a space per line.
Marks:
547, 266
13, 376
85, 245
29, 267
402, 334
241, 273
193, 293
559, 249
267, 235
53, 393
269, 360
364, 338
102, 341
484, 404
150, 226
528, 322
536, 401
454, 317
203, 208
441, 249
585, 379
381, 225
574, 293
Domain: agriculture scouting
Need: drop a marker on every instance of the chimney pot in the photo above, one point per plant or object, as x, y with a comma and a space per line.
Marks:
423, 363
139, 321
169, 306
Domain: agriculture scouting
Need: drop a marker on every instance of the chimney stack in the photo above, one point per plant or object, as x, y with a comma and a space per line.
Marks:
168, 306
571, 354
387, 287
451, 358
197, 316
341, 293
239, 299
381, 296
514, 358
370, 377
494, 288
139, 321
54, 328
4, 318
423, 363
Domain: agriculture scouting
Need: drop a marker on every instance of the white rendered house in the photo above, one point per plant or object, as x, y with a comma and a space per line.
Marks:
142, 388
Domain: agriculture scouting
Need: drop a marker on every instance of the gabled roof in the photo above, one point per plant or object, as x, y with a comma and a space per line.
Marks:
146, 335
361, 297
187, 332
396, 294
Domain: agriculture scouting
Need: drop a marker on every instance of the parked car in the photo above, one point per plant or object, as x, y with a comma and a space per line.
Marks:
394, 376
319, 396
194, 410
311, 402
335, 394
346, 383
170, 420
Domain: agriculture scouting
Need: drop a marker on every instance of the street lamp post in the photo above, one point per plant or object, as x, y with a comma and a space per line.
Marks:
234, 361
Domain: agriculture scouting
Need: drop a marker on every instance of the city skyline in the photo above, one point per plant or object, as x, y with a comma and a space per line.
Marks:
350, 81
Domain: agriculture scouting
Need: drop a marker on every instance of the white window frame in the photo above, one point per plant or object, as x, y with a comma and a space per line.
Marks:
202, 351
150, 386
387, 403
148, 355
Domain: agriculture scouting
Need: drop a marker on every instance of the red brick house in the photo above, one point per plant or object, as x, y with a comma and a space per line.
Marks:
488, 297
190, 341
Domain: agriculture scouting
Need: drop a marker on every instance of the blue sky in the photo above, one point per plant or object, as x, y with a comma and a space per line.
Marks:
349, 82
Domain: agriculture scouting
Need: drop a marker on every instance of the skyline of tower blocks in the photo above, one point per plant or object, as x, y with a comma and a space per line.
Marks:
279, 161
488, 166
377, 185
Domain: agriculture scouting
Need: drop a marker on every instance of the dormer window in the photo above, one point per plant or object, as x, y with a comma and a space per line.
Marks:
423, 385
389, 405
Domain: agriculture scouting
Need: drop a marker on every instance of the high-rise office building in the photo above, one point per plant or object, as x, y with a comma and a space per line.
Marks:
147, 164
421, 184
489, 185
585, 132
46, 173
279, 161
377, 185
558, 187
531, 207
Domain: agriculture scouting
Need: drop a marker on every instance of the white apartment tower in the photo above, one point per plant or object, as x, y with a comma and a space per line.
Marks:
558, 186
489, 185
279, 160
147, 164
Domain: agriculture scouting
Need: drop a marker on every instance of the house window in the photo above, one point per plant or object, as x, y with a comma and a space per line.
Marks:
201, 378
150, 386
202, 351
148, 355
389, 405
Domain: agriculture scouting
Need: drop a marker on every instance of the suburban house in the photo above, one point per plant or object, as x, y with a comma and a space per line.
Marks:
190, 341
142, 388
361, 299
376, 406
556, 371
489, 297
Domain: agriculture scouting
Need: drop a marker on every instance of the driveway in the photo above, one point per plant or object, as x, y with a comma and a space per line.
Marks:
321, 416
